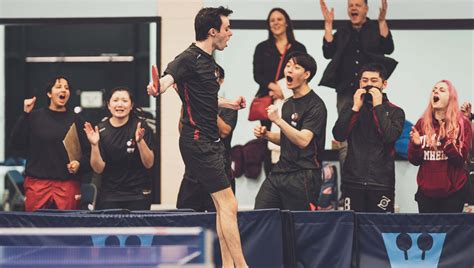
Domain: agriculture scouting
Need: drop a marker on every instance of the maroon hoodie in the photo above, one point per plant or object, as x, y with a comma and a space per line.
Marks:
443, 169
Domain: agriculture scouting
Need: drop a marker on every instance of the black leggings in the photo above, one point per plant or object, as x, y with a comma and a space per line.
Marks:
449, 204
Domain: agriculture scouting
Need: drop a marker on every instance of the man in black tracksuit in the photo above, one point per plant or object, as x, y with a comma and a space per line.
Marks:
371, 125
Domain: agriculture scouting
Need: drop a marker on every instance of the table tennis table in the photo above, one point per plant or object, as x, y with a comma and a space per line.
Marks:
163, 247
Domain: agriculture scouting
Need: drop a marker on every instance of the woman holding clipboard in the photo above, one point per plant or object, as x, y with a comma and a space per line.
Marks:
51, 176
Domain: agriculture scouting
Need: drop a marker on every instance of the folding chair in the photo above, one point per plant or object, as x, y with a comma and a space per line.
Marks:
15, 195
88, 196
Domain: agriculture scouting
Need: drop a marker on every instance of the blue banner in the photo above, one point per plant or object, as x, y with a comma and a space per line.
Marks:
261, 231
323, 239
415, 240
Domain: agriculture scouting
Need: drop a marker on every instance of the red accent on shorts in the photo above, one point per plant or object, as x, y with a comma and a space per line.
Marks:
46, 193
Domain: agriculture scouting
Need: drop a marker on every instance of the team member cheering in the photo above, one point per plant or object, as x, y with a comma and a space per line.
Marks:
371, 125
120, 151
51, 177
281, 41
191, 193
440, 144
295, 181
196, 75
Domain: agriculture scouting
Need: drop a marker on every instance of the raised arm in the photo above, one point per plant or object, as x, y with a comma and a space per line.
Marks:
328, 16
415, 151
261, 132
19, 137
97, 163
383, 26
154, 89
146, 154
386, 40
236, 104
158, 85
300, 138
348, 117
389, 121
457, 149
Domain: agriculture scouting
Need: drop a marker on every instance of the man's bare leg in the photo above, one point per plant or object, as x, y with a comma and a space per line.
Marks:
226, 207
227, 260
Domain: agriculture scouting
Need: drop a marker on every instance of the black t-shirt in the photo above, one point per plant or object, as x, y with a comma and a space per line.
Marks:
39, 136
307, 112
195, 73
230, 118
124, 176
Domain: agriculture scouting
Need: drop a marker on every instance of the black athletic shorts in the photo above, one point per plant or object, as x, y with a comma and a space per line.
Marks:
205, 160
295, 190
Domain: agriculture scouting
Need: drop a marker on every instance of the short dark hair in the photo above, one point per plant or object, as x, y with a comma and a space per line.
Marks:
208, 18
289, 30
304, 60
374, 67
50, 84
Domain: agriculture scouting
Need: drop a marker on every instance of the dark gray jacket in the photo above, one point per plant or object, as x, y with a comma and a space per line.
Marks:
371, 134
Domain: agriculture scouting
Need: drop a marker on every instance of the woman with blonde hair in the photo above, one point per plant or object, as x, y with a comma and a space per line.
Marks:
439, 143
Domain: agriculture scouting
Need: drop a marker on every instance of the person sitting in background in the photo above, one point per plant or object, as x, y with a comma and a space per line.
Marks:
51, 177
120, 151
440, 144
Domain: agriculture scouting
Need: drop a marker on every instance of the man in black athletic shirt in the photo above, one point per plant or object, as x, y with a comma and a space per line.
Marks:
196, 75
191, 193
295, 181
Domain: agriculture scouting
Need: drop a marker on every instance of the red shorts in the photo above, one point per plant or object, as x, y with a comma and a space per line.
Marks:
44, 193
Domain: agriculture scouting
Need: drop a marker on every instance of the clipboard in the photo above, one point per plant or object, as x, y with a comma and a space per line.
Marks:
72, 144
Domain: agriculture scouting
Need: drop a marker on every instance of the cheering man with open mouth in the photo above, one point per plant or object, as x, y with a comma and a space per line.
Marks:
295, 180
